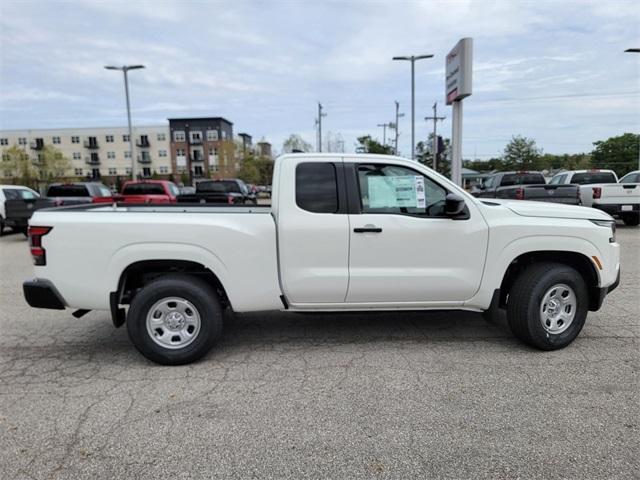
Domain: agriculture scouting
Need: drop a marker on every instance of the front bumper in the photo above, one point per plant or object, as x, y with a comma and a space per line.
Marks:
42, 294
603, 292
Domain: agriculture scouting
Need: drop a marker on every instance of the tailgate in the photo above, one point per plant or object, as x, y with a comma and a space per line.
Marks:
618, 194
552, 193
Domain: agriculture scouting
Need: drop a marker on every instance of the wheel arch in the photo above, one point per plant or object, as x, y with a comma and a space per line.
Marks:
579, 261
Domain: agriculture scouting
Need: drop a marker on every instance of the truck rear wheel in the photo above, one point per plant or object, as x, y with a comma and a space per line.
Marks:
175, 319
547, 306
631, 219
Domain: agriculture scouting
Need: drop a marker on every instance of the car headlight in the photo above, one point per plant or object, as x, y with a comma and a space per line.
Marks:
609, 224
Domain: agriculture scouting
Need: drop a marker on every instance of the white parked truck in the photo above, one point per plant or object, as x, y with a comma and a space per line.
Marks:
600, 189
343, 233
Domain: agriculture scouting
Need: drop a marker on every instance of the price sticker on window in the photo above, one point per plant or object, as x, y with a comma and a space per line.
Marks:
407, 191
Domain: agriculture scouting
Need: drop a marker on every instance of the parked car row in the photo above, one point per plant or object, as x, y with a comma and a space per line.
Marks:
590, 188
17, 203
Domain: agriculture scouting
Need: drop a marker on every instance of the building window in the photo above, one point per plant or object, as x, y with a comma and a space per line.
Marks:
224, 135
196, 137
164, 169
75, 139
128, 170
78, 172
197, 170
146, 172
179, 152
22, 141
109, 138
55, 140
125, 138
8, 174
179, 136
4, 141
162, 153
113, 171
212, 135
127, 154
77, 155
111, 155
162, 137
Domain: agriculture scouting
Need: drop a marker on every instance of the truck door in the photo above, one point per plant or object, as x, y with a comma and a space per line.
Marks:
403, 248
313, 231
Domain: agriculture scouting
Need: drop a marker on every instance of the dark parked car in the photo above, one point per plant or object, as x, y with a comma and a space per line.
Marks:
19, 210
527, 186
231, 192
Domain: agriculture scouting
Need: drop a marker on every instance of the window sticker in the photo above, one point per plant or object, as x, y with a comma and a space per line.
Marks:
396, 192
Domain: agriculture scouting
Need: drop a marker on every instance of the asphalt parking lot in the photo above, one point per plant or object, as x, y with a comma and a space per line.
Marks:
394, 395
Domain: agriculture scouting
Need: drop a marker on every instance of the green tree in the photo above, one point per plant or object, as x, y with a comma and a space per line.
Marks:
617, 153
521, 153
17, 163
249, 171
296, 142
369, 145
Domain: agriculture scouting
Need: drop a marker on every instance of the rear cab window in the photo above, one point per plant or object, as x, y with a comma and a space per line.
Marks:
19, 194
317, 187
143, 189
71, 190
394, 189
510, 179
631, 178
588, 178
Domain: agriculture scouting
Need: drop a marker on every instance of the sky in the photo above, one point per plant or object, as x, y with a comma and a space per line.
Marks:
550, 70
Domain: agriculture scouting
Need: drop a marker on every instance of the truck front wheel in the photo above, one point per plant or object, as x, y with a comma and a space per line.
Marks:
547, 306
175, 319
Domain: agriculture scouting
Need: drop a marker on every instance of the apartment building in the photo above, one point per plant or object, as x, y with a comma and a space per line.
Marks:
202, 148
98, 153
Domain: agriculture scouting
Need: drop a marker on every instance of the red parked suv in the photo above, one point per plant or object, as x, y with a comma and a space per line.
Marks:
149, 191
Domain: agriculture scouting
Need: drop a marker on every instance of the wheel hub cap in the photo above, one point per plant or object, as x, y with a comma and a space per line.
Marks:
173, 322
558, 308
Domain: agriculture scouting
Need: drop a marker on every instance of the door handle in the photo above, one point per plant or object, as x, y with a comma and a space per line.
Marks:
367, 230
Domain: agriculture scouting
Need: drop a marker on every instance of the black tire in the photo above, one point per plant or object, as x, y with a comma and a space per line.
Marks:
200, 294
1, 225
525, 300
631, 219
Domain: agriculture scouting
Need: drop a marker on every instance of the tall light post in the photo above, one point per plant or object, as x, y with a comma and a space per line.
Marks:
413, 59
124, 69
635, 50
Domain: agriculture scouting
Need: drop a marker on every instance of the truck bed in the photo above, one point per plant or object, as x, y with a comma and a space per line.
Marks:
90, 246
567, 194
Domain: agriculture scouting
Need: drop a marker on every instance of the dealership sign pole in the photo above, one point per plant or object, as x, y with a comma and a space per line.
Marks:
459, 66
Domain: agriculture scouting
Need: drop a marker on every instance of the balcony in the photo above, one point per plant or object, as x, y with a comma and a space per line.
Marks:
144, 159
93, 160
196, 141
91, 143
143, 142
196, 158
37, 144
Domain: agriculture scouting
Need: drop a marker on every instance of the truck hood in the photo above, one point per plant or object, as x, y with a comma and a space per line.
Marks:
551, 210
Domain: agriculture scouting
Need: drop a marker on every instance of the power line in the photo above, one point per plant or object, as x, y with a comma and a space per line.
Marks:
435, 119
319, 124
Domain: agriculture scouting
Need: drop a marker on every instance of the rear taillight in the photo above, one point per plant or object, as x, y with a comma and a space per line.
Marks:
38, 252
597, 192
230, 200
520, 193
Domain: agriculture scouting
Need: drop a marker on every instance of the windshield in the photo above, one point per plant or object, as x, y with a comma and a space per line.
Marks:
221, 186
588, 178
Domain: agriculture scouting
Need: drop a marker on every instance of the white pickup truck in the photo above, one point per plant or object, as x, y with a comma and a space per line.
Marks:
600, 189
343, 233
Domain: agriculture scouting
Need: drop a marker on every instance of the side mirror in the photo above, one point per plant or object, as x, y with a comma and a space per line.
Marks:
453, 205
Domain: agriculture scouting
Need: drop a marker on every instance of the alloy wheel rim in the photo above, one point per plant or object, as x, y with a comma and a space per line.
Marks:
173, 322
558, 308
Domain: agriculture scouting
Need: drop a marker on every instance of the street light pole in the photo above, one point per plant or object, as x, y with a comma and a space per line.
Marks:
635, 50
413, 59
125, 69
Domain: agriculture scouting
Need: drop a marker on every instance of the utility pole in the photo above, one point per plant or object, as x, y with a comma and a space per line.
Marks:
413, 59
635, 50
435, 119
319, 123
398, 115
384, 131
